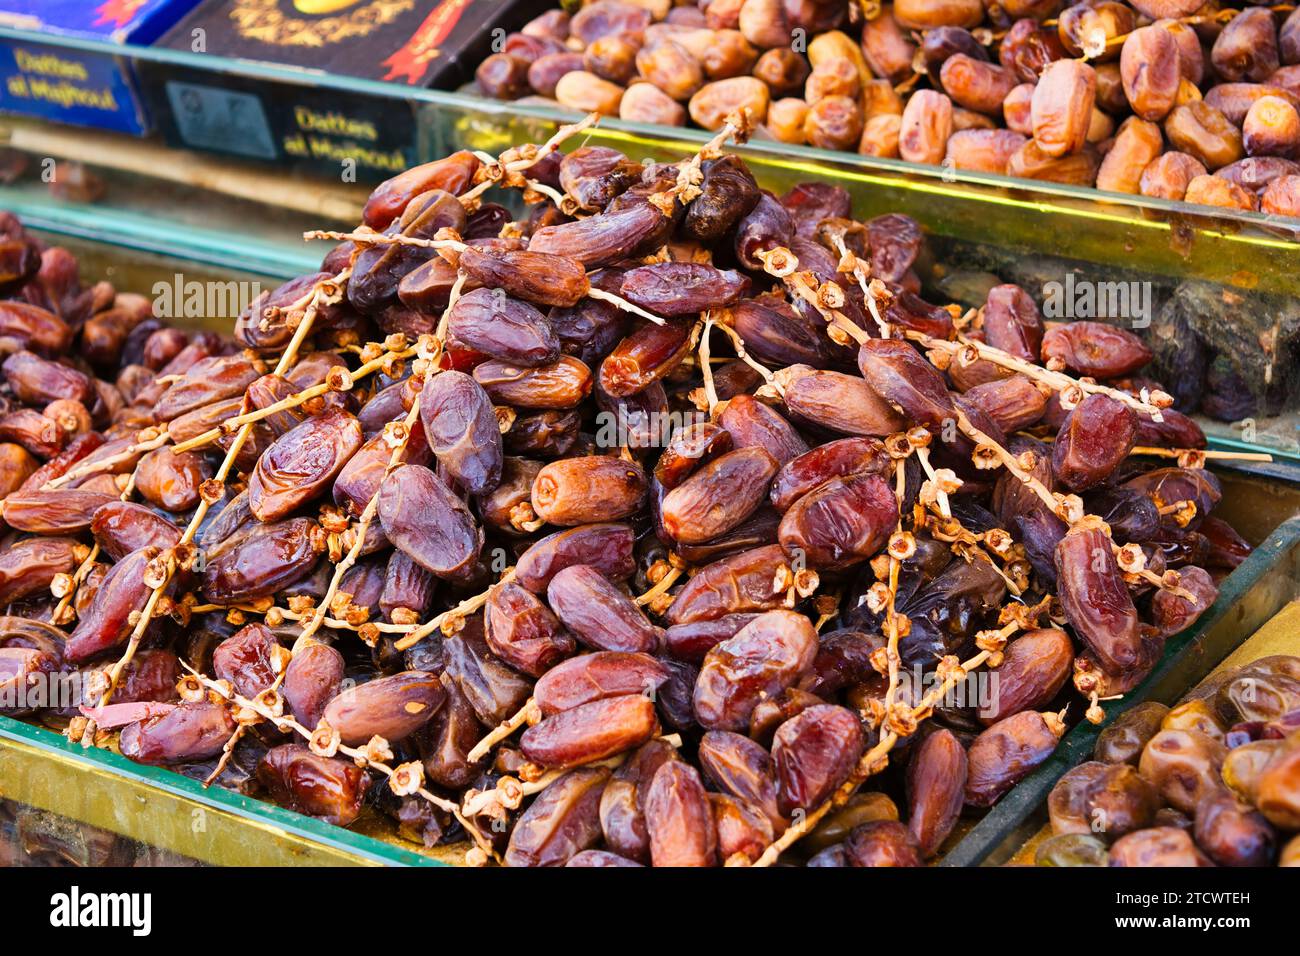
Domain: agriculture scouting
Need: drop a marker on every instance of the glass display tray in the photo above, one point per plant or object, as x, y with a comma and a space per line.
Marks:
249, 216
1264, 584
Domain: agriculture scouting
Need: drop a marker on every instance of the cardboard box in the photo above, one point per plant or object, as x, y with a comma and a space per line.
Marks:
75, 86
366, 135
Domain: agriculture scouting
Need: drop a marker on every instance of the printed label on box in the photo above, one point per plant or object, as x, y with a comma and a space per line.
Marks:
210, 118
83, 88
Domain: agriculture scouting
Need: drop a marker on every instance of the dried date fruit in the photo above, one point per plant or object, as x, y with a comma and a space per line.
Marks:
523, 632
883, 843
1001, 756
679, 818
762, 659
590, 732
262, 562
423, 518
936, 782
390, 707
462, 431
311, 680
600, 615
183, 734
1094, 349
561, 823
1158, 846
813, 753
578, 491
719, 496
330, 788
840, 522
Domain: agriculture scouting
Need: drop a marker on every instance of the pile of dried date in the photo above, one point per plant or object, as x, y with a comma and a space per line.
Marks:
1211, 782
1176, 99
647, 529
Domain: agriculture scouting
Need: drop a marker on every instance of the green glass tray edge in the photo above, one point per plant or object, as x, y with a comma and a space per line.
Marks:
366, 850
209, 247
1188, 658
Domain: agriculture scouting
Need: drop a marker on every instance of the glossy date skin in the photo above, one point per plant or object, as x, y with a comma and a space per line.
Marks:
121, 527
108, 620
28, 567
1005, 753
679, 818
1096, 600
598, 613
246, 659
423, 518
503, 328
605, 546
719, 496
311, 681
561, 823
329, 788
590, 732
187, 733
737, 584
494, 690
391, 707
588, 490
523, 632
936, 782
813, 753
766, 656
263, 561
597, 676
840, 522
462, 431
1096, 437
302, 464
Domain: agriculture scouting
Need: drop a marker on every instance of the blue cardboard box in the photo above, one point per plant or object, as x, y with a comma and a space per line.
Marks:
82, 87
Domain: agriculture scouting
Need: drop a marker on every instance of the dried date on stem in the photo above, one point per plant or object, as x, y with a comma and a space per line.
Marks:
936, 784
302, 463
462, 431
754, 580
597, 676
109, 619
903, 378
602, 616
523, 632
1094, 349
679, 818
330, 788
590, 732
391, 707
1096, 600
423, 518
525, 274
503, 328
185, 734
1098, 434
840, 522
813, 753
608, 547
563, 821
